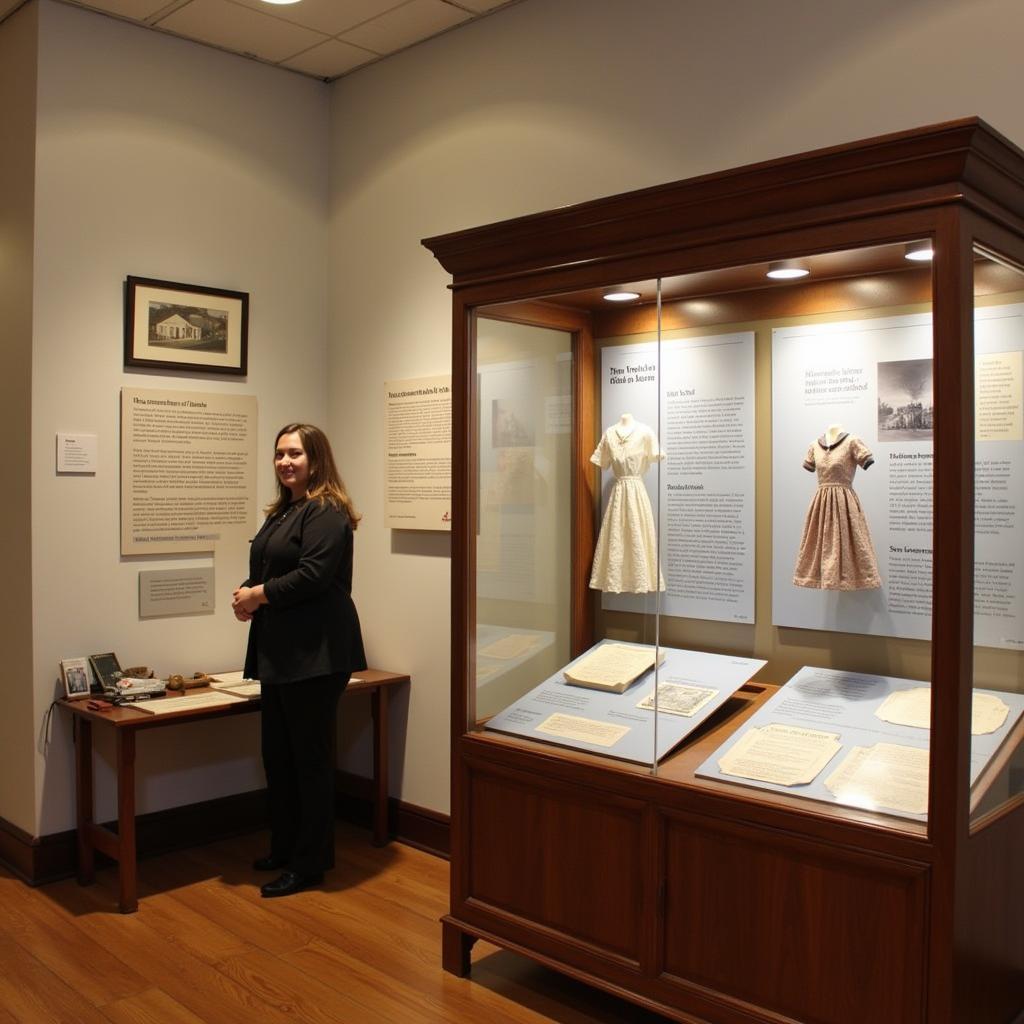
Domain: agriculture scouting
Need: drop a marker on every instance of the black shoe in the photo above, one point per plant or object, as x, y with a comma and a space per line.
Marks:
289, 882
270, 863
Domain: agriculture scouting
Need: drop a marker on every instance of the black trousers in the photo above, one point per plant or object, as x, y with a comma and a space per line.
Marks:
298, 731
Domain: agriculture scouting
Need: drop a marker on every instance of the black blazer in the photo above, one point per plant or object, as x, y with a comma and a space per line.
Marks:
309, 627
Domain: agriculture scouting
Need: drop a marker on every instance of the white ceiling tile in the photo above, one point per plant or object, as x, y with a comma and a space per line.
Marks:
330, 16
405, 25
139, 10
240, 29
330, 59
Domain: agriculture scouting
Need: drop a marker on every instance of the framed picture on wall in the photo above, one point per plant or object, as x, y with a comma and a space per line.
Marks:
171, 326
75, 674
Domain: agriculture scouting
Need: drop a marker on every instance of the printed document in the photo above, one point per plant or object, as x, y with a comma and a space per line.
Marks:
786, 755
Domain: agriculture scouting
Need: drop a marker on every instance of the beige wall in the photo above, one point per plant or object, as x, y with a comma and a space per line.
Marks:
165, 159
17, 167
558, 101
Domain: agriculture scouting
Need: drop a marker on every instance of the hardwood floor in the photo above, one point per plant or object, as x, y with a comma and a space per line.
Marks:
204, 948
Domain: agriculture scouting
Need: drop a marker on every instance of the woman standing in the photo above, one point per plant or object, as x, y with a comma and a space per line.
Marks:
304, 642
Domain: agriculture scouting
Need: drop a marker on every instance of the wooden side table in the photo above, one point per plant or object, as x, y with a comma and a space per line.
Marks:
128, 721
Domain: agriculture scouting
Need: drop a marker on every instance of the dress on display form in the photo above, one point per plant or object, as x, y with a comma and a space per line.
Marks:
626, 556
836, 552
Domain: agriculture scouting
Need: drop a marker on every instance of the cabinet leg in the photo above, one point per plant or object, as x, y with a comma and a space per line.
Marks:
456, 947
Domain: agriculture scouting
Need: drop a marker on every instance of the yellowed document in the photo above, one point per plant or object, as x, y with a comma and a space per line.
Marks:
249, 690
678, 699
908, 707
586, 730
224, 679
988, 713
509, 647
887, 776
786, 755
913, 708
611, 667
998, 409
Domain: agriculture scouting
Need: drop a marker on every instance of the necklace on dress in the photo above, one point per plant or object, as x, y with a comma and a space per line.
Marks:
288, 511
623, 438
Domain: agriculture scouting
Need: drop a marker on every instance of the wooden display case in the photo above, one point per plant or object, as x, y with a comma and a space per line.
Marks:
705, 900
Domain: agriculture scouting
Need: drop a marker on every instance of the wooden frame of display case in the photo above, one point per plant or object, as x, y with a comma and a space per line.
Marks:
703, 901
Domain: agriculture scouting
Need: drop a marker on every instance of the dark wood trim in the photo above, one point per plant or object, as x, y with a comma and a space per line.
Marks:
922, 166
952, 594
46, 858
465, 523
415, 826
40, 859
832, 234
17, 850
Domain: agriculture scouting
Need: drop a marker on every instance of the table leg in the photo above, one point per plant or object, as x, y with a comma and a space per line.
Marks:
379, 708
128, 900
83, 801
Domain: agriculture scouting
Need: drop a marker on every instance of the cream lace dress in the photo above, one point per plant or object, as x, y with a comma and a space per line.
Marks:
625, 560
836, 552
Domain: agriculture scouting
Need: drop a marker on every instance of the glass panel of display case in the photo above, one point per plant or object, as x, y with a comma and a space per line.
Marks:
803, 517
997, 720
523, 429
532, 681
757, 586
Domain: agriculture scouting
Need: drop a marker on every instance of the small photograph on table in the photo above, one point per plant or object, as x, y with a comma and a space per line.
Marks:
75, 674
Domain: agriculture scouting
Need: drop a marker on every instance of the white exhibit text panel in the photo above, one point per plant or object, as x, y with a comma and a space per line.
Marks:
698, 395
874, 377
188, 469
418, 453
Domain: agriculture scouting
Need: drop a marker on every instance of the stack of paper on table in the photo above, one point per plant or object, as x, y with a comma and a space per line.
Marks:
189, 702
236, 683
612, 667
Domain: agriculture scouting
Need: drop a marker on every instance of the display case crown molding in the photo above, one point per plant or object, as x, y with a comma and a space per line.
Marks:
957, 161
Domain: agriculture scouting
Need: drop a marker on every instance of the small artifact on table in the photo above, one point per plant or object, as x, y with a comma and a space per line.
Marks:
178, 682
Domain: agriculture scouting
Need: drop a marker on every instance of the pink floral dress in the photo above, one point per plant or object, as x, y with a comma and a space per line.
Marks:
836, 552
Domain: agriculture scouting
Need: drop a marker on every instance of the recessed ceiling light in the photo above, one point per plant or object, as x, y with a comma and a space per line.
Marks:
919, 252
786, 270
282, 2
621, 295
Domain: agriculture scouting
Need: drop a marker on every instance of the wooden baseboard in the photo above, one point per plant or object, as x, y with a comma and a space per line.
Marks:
415, 826
16, 850
40, 859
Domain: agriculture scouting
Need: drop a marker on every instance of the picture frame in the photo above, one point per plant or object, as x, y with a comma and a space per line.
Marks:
107, 669
74, 673
172, 326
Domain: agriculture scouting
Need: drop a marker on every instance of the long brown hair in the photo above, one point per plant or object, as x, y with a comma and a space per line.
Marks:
325, 483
